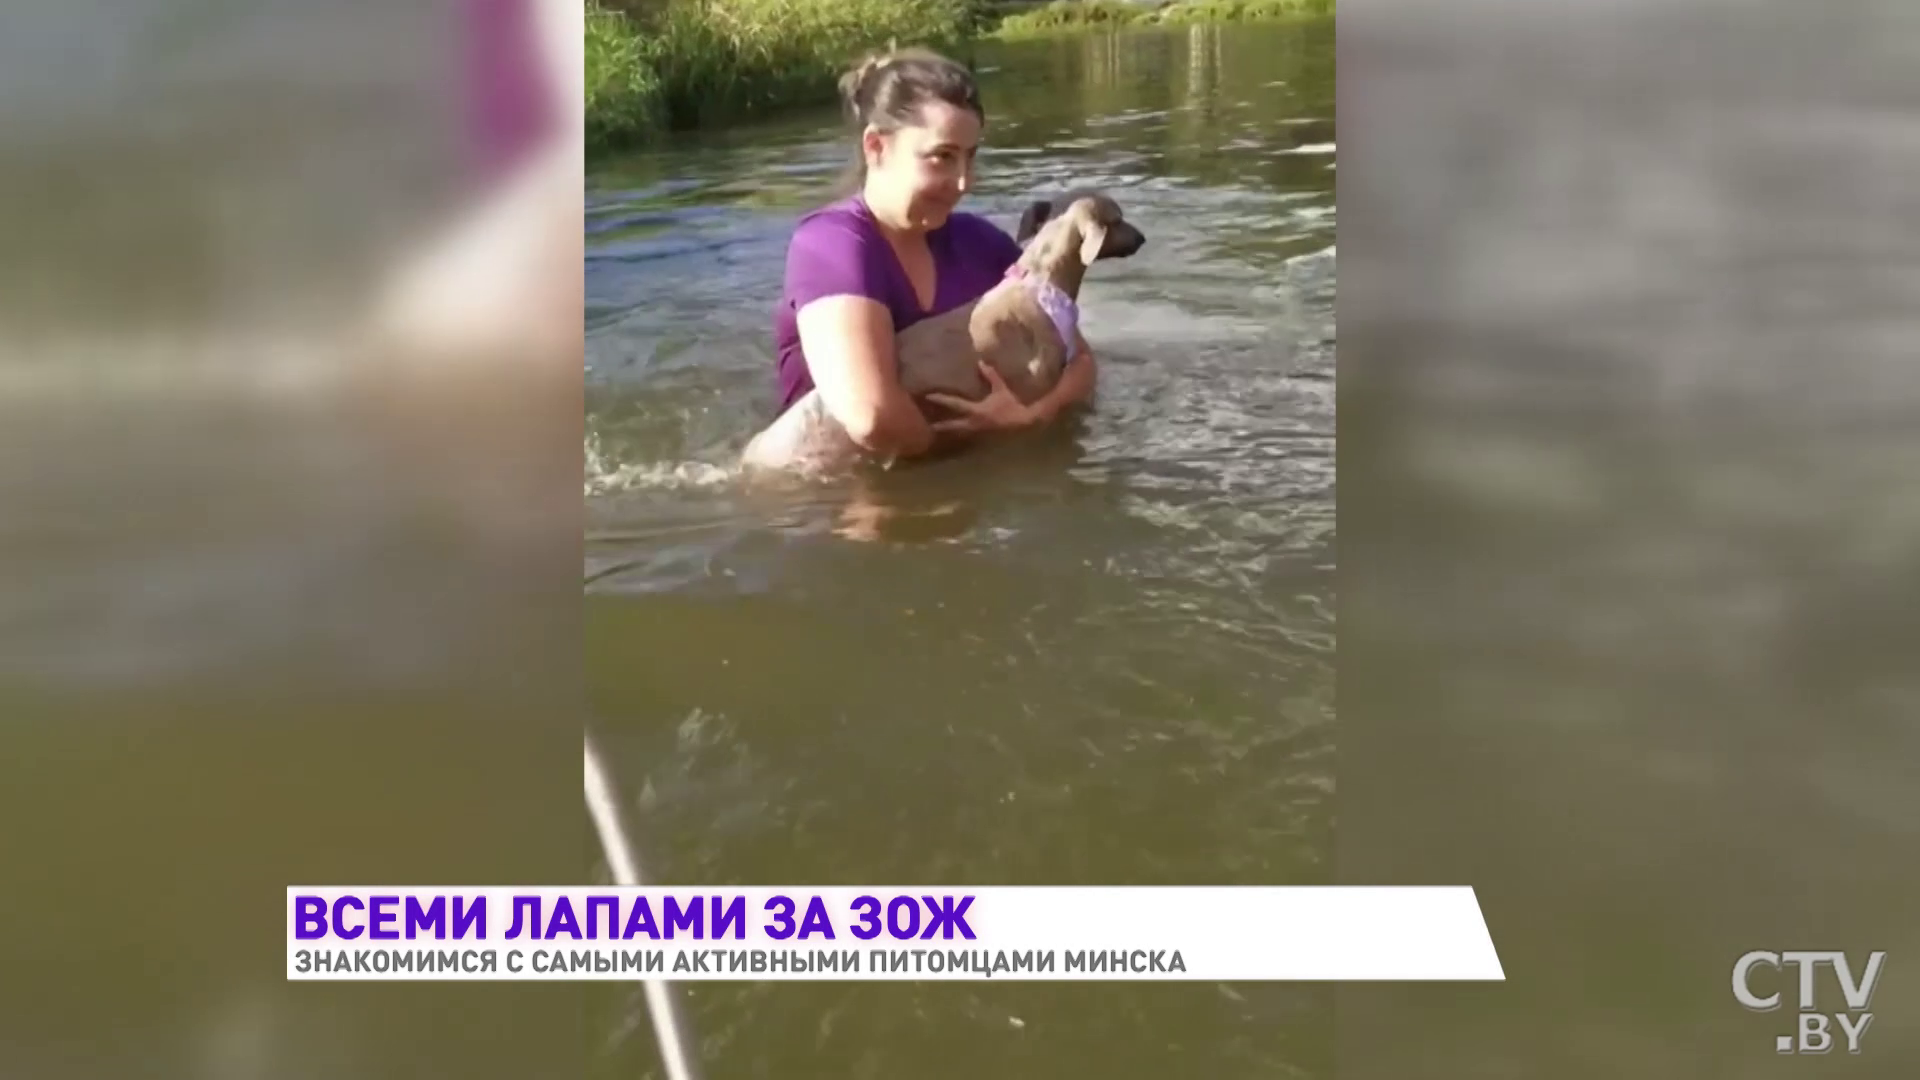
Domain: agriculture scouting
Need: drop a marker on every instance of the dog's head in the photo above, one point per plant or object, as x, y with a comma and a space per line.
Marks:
1091, 225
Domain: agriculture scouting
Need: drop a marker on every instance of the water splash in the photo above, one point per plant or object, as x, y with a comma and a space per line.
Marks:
606, 475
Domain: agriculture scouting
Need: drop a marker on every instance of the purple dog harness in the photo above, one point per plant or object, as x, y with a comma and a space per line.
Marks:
1057, 304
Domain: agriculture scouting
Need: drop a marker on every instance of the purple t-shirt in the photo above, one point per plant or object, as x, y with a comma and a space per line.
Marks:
838, 250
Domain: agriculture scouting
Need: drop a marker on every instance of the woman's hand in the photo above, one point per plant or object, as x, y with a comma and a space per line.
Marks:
1000, 410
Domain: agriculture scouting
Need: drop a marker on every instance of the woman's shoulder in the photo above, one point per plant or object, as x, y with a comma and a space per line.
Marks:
843, 223
835, 251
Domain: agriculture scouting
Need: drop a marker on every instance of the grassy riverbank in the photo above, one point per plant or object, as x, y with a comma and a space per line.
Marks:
660, 65
1070, 15
656, 65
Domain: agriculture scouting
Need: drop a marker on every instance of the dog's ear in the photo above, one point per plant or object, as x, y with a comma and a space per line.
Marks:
1038, 211
1093, 237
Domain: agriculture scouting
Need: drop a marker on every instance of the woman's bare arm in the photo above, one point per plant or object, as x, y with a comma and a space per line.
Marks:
848, 341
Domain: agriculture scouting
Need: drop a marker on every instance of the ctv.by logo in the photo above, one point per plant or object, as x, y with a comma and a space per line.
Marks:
1814, 1035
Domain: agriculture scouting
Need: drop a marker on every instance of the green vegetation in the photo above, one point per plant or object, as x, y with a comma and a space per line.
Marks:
661, 65
1068, 15
624, 100
673, 64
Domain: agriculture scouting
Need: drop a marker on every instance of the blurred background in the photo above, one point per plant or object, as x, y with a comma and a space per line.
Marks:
1629, 429
288, 552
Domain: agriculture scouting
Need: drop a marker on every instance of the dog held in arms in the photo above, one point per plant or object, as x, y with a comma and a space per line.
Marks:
1024, 326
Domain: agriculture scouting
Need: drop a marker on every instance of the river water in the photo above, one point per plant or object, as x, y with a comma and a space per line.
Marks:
1099, 657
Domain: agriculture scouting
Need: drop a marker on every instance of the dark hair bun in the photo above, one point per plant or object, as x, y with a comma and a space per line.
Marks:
856, 86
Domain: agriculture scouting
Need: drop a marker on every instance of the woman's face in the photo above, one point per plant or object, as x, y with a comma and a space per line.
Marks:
926, 167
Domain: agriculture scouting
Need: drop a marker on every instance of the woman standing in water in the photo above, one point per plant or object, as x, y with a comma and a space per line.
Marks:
864, 268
